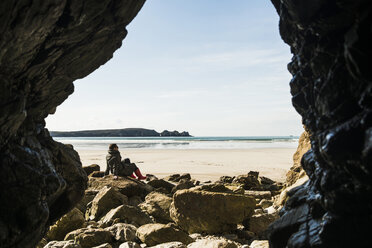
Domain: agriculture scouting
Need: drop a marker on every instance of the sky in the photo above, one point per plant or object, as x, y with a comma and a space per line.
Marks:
212, 68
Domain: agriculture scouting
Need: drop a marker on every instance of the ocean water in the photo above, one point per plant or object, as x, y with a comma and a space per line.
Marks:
242, 142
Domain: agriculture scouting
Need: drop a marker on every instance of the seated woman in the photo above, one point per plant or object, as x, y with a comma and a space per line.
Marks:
118, 167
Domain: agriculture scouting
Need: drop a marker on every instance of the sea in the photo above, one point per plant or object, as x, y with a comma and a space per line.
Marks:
235, 142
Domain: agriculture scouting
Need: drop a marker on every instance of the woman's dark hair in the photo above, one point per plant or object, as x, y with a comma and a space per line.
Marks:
112, 146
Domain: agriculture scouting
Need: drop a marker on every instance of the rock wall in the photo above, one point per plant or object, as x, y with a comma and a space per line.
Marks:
296, 176
332, 90
44, 47
296, 172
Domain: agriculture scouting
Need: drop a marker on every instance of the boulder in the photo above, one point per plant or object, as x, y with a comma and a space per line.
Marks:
126, 213
271, 210
266, 181
264, 203
283, 197
173, 177
97, 174
245, 234
214, 187
170, 245
222, 188
154, 234
249, 181
296, 171
210, 212
157, 205
135, 200
88, 197
88, 237
196, 236
195, 182
259, 244
270, 185
259, 223
213, 243
183, 184
163, 191
127, 186
71, 221
226, 179
106, 245
91, 168
150, 177
106, 199
123, 232
231, 236
130, 244
236, 189
71, 235
178, 177
161, 183
43, 242
63, 244
258, 194
185, 176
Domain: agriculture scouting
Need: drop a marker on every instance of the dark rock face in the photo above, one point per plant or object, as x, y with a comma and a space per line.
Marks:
332, 90
44, 47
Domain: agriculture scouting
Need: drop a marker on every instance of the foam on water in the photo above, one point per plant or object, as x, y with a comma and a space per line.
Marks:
247, 142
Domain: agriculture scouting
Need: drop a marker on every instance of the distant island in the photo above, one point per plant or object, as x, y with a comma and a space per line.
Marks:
125, 132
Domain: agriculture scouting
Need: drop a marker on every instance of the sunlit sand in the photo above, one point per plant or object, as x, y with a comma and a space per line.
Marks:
205, 164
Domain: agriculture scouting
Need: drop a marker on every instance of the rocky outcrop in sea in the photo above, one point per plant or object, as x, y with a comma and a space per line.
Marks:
175, 211
124, 132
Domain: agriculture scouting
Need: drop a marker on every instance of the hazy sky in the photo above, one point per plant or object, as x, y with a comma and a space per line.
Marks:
208, 67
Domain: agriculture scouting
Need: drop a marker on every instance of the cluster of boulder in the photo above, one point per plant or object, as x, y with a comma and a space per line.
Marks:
174, 212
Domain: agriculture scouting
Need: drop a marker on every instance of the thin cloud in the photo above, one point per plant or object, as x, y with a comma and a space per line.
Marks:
243, 58
182, 94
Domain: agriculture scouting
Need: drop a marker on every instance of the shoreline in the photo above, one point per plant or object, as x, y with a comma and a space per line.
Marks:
202, 164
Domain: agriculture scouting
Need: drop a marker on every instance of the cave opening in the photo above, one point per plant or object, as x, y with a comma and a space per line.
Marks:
198, 69
42, 179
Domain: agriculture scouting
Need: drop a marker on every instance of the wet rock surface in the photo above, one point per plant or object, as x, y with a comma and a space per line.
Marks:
44, 47
332, 90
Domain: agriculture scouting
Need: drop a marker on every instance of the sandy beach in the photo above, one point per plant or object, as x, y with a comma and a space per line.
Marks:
202, 164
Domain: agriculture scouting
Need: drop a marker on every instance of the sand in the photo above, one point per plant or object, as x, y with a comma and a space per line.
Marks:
203, 164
